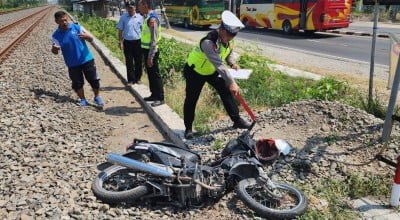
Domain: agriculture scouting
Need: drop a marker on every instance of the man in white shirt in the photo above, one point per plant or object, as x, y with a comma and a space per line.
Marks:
129, 31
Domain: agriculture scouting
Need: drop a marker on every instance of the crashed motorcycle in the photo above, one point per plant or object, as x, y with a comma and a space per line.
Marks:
169, 173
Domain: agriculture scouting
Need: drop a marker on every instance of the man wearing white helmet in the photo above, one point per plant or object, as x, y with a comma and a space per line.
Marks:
206, 64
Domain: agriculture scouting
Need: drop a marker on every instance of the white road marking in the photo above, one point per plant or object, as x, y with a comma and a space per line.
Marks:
315, 53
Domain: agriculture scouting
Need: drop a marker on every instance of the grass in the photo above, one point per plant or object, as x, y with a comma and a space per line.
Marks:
338, 192
218, 145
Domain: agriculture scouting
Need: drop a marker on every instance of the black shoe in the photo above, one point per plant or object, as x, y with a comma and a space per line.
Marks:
157, 103
188, 134
240, 123
149, 99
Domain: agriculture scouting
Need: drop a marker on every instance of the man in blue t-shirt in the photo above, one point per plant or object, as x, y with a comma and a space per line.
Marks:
70, 39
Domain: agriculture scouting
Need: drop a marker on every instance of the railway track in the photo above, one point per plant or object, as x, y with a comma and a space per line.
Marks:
14, 32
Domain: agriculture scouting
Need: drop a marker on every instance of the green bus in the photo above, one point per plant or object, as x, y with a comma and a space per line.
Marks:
203, 13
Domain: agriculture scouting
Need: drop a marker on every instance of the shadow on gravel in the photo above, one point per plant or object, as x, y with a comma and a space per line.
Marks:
332, 145
122, 110
230, 204
237, 206
208, 137
41, 93
112, 88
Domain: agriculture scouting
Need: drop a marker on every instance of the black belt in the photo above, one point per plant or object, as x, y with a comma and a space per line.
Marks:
132, 40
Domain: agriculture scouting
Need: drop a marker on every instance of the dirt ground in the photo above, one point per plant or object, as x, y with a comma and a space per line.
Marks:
125, 114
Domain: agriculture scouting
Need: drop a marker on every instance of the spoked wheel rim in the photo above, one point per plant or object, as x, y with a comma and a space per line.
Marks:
122, 179
281, 198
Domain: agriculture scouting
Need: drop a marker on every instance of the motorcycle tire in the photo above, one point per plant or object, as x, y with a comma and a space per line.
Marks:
127, 195
263, 209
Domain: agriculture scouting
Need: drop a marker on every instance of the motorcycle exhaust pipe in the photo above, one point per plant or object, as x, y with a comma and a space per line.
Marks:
137, 165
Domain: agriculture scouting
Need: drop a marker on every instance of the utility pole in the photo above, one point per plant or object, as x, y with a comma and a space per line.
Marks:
164, 15
360, 6
372, 65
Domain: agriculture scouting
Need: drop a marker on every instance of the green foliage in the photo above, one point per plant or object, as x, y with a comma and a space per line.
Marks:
7, 5
218, 145
172, 58
337, 192
269, 88
375, 106
374, 185
327, 89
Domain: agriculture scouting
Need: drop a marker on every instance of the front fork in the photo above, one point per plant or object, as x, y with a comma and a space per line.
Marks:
268, 184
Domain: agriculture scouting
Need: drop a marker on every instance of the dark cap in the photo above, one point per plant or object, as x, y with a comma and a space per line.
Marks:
130, 3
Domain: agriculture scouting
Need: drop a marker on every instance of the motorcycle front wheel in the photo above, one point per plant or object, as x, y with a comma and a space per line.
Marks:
118, 184
286, 201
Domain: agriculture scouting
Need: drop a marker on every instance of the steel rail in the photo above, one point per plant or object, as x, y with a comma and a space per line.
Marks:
8, 26
20, 37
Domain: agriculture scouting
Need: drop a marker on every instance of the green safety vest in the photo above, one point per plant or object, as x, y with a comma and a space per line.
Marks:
200, 61
146, 34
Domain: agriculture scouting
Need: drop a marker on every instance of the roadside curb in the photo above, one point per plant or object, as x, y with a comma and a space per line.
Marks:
356, 33
165, 118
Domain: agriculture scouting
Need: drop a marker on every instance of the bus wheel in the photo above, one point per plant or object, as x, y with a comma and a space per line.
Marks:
287, 27
245, 22
186, 23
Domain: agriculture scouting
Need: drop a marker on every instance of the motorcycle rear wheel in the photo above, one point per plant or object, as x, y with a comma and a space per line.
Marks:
255, 196
118, 184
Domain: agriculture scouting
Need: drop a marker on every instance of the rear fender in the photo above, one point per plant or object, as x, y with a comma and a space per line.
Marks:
244, 170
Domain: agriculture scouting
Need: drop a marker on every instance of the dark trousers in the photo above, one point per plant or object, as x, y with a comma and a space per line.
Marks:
133, 52
194, 85
87, 70
155, 80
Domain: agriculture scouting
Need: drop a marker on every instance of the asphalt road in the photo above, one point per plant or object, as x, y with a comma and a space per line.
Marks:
357, 48
367, 27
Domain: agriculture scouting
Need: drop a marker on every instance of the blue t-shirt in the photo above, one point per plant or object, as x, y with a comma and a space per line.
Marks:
74, 49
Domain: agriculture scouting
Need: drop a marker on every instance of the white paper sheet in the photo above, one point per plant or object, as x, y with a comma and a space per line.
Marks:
240, 73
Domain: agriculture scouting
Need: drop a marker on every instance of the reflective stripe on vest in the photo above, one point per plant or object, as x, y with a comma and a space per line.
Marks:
200, 61
146, 34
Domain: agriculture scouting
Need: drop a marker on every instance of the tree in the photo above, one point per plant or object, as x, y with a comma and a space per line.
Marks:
394, 9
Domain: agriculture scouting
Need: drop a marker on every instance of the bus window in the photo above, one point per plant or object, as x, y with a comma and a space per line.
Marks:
194, 12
